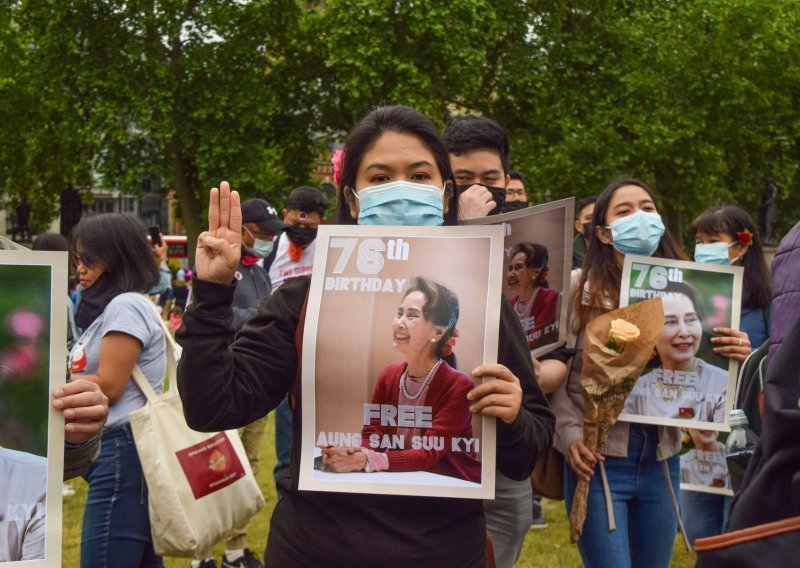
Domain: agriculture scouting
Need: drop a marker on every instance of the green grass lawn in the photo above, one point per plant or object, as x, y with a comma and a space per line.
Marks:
544, 548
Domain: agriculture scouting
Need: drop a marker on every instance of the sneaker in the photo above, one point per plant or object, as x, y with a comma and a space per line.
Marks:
539, 522
67, 490
249, 560
207, 563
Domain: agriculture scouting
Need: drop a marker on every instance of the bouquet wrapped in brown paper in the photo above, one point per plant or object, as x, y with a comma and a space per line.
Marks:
616, 348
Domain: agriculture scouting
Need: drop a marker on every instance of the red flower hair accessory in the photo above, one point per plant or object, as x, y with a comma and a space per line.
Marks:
447, 348
337, 160
744, 238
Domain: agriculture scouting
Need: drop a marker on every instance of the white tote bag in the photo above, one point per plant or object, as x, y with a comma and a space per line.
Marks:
200, 484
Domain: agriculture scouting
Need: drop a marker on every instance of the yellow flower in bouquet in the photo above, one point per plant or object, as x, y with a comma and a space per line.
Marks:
622, 334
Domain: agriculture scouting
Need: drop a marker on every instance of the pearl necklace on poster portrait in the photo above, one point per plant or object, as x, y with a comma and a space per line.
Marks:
424, 383
526, 305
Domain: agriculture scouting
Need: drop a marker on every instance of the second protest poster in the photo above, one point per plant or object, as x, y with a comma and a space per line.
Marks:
686, 384
537, 255
381, 311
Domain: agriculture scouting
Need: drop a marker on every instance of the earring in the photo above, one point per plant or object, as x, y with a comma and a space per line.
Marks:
433, 340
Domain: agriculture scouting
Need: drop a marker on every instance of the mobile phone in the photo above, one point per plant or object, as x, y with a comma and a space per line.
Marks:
155, 235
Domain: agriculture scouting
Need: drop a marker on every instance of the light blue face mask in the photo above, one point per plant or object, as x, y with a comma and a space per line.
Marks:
712, 253
638, 233
400, 203
261, 247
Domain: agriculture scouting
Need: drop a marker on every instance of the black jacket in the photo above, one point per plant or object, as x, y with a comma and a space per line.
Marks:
225, 384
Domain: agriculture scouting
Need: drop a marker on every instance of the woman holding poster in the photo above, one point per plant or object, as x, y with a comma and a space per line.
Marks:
633, 491
421, 331
116, 266
394, 170
682, 386
535, 303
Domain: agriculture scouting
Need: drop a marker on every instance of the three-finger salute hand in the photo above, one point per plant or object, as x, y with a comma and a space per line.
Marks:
220, 247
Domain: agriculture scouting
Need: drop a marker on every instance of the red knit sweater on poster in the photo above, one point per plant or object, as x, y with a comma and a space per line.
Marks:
447, 397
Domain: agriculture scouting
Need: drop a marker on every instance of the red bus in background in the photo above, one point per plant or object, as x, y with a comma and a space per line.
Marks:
177, 247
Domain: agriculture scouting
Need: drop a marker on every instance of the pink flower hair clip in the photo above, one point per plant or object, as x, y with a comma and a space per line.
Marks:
337, 160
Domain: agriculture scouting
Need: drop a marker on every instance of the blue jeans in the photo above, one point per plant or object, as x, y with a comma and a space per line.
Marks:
643, 510
116, 522
704, 514
283, 439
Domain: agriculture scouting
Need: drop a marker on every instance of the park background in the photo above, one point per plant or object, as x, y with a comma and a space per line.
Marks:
697, 98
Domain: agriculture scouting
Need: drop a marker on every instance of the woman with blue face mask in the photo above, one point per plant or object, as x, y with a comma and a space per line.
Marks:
640, 462
728, 235
395, 171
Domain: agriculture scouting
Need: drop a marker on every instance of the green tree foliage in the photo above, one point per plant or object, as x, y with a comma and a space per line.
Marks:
697, 98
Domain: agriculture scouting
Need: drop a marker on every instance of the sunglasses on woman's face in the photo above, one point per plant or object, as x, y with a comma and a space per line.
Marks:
85, 259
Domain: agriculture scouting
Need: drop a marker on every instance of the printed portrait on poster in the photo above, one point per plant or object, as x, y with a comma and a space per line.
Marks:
686, 384
703, 464
33, 322
537, 254
394, 327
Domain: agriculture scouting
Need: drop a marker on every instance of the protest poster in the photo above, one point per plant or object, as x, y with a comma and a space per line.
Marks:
703, 464
33, 343
537, 254
363, 328
686, 384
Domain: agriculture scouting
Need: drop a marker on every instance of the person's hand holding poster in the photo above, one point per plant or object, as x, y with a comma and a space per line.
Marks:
33, 323
394, 327
687, 382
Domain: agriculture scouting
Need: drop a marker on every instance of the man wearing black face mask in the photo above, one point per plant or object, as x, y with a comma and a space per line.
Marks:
516, 195
293, 256
479, 155
294, 252
584, 228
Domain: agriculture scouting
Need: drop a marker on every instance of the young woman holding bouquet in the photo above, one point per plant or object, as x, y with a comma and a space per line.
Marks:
640, 461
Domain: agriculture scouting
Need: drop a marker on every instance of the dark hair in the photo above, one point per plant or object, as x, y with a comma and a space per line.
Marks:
675, 288
50, 241
470, 132
517, 175
441, 306
362, 137
118, 241
731, 220
690, 292
585, 202
307, 199
600, 268
536, 256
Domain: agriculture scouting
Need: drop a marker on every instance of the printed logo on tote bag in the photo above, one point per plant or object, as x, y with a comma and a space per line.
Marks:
210, 465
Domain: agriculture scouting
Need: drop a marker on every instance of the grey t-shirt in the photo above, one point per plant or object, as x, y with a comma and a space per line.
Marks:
23, 485
130, 314
690, 395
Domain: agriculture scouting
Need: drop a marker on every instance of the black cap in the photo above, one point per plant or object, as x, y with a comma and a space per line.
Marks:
262, 214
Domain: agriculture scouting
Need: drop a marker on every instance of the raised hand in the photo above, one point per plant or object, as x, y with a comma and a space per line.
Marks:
219, 248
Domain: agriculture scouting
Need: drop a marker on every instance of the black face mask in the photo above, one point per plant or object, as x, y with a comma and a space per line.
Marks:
498, 195
301, 236
587, 231
514, 206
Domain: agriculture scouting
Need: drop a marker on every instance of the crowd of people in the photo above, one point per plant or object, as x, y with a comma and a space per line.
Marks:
238, 310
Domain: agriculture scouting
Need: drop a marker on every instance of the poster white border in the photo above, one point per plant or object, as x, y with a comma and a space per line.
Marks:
57, 261
492, 322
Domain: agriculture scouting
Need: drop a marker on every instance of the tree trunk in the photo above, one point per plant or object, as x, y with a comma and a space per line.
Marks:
669, 202
187, 188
